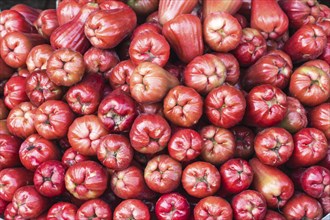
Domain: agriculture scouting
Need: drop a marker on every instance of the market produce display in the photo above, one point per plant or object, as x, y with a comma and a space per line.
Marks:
165, 110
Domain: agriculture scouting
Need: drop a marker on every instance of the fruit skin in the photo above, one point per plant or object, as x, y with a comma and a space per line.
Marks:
232, 67
186, 44
236, 176
29, 13
244, 137
201, 179
62, 37
231, 7
62, 210
12, 179
86, 180
169, 9
310, 147
214, 206
38, 57
6, 71
299, 51
131, 207
46, 22
272, 215
105, 29
172, 205
183, 106
225, 106
266, 105
268, 17
14, 91
249, 204
319, 118
302, 205
94, 208
9, 147
119, 77
273, 146
272, 183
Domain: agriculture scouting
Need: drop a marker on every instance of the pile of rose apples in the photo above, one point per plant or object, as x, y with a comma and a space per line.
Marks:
165, 109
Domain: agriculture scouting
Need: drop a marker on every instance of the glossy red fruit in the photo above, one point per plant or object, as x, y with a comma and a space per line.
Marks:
163, 174
94, 209
221, 31
186, 44
183, 106
62, 210
14, 91
273, 146
268, 17
86, 126
225, 106
67, 11
115, 152
302, 205
46, 22
232, 67
272, 183
266, 106
218, 144
310, 147
20, 121
119, 77
86, 180
105, 29
236, 176
9, 147
244, 137
169, 9
172, 205
12, 179
201, 179
29, 13
38, 57
249, 204
185, 145
29, 203
214, 206
272, 215
150, 133
319, 118
49, 178
131, 208
231, 7
71, 157
35, 150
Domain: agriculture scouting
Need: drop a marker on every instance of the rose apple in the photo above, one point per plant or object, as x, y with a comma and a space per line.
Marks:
273, 146
173, 206
46, 22
86, 180
205, 73
295, 117
53, 118
65, 67
66, 11
117, 111
39, 88
163, 174
232, 67
84, 97
302, 206
6, 71
168, 10
14, 91
183, 106
236, 176
272, 215
150, 133
210, 6
315, 181
20, 121
35, 150
48, 178
149, 46
213, 207
266, 105
185, 145
225, 106
131, 208
84, 134
249, 204
221, 31
71, 157
115, 152
38, 57
251, 47
244, 137
94, 209
218, 144
272, 183
186, 44
128, 183
319, 118
12, 179
62, 210
29, 203
201, 179
119, 77
310, 147
9, 147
